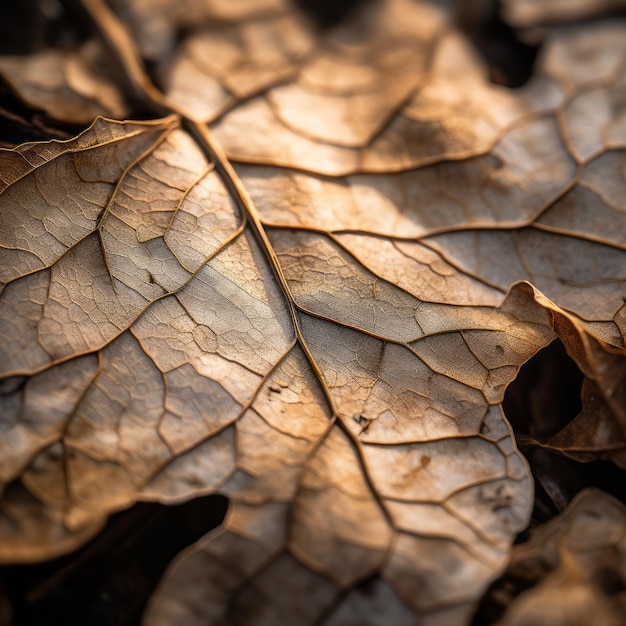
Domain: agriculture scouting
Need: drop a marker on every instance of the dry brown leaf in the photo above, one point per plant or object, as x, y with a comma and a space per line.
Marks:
547, 157
525, 13
577, 563
156, 23
325, 345
138, 298
68, 86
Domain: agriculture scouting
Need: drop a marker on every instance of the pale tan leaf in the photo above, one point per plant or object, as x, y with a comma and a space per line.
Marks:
579, 558
404, 115
156, 22
365, 441
68, 86
525, 13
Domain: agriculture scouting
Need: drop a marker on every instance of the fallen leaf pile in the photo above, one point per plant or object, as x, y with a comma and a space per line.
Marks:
305, 284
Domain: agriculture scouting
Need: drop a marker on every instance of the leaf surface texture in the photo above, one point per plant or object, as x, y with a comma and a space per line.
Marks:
320, 324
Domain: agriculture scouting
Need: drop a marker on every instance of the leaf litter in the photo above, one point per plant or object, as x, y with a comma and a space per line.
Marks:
307, 289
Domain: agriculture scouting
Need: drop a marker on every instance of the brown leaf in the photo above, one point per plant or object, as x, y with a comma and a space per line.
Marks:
69, 86
531, 13
577, 563
546, 169
348, 442
157, 22
322, 333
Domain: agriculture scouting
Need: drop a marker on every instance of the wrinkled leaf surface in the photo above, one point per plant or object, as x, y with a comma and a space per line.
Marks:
323, 334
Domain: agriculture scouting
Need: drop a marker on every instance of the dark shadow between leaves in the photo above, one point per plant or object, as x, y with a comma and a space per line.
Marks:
510, 60
329, 13
30, 25
543, 399
545, 395
108, 581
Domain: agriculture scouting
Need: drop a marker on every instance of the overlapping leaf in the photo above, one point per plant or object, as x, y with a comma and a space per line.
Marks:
599, 430
525, 13
577, 561
68, 86
326, 350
